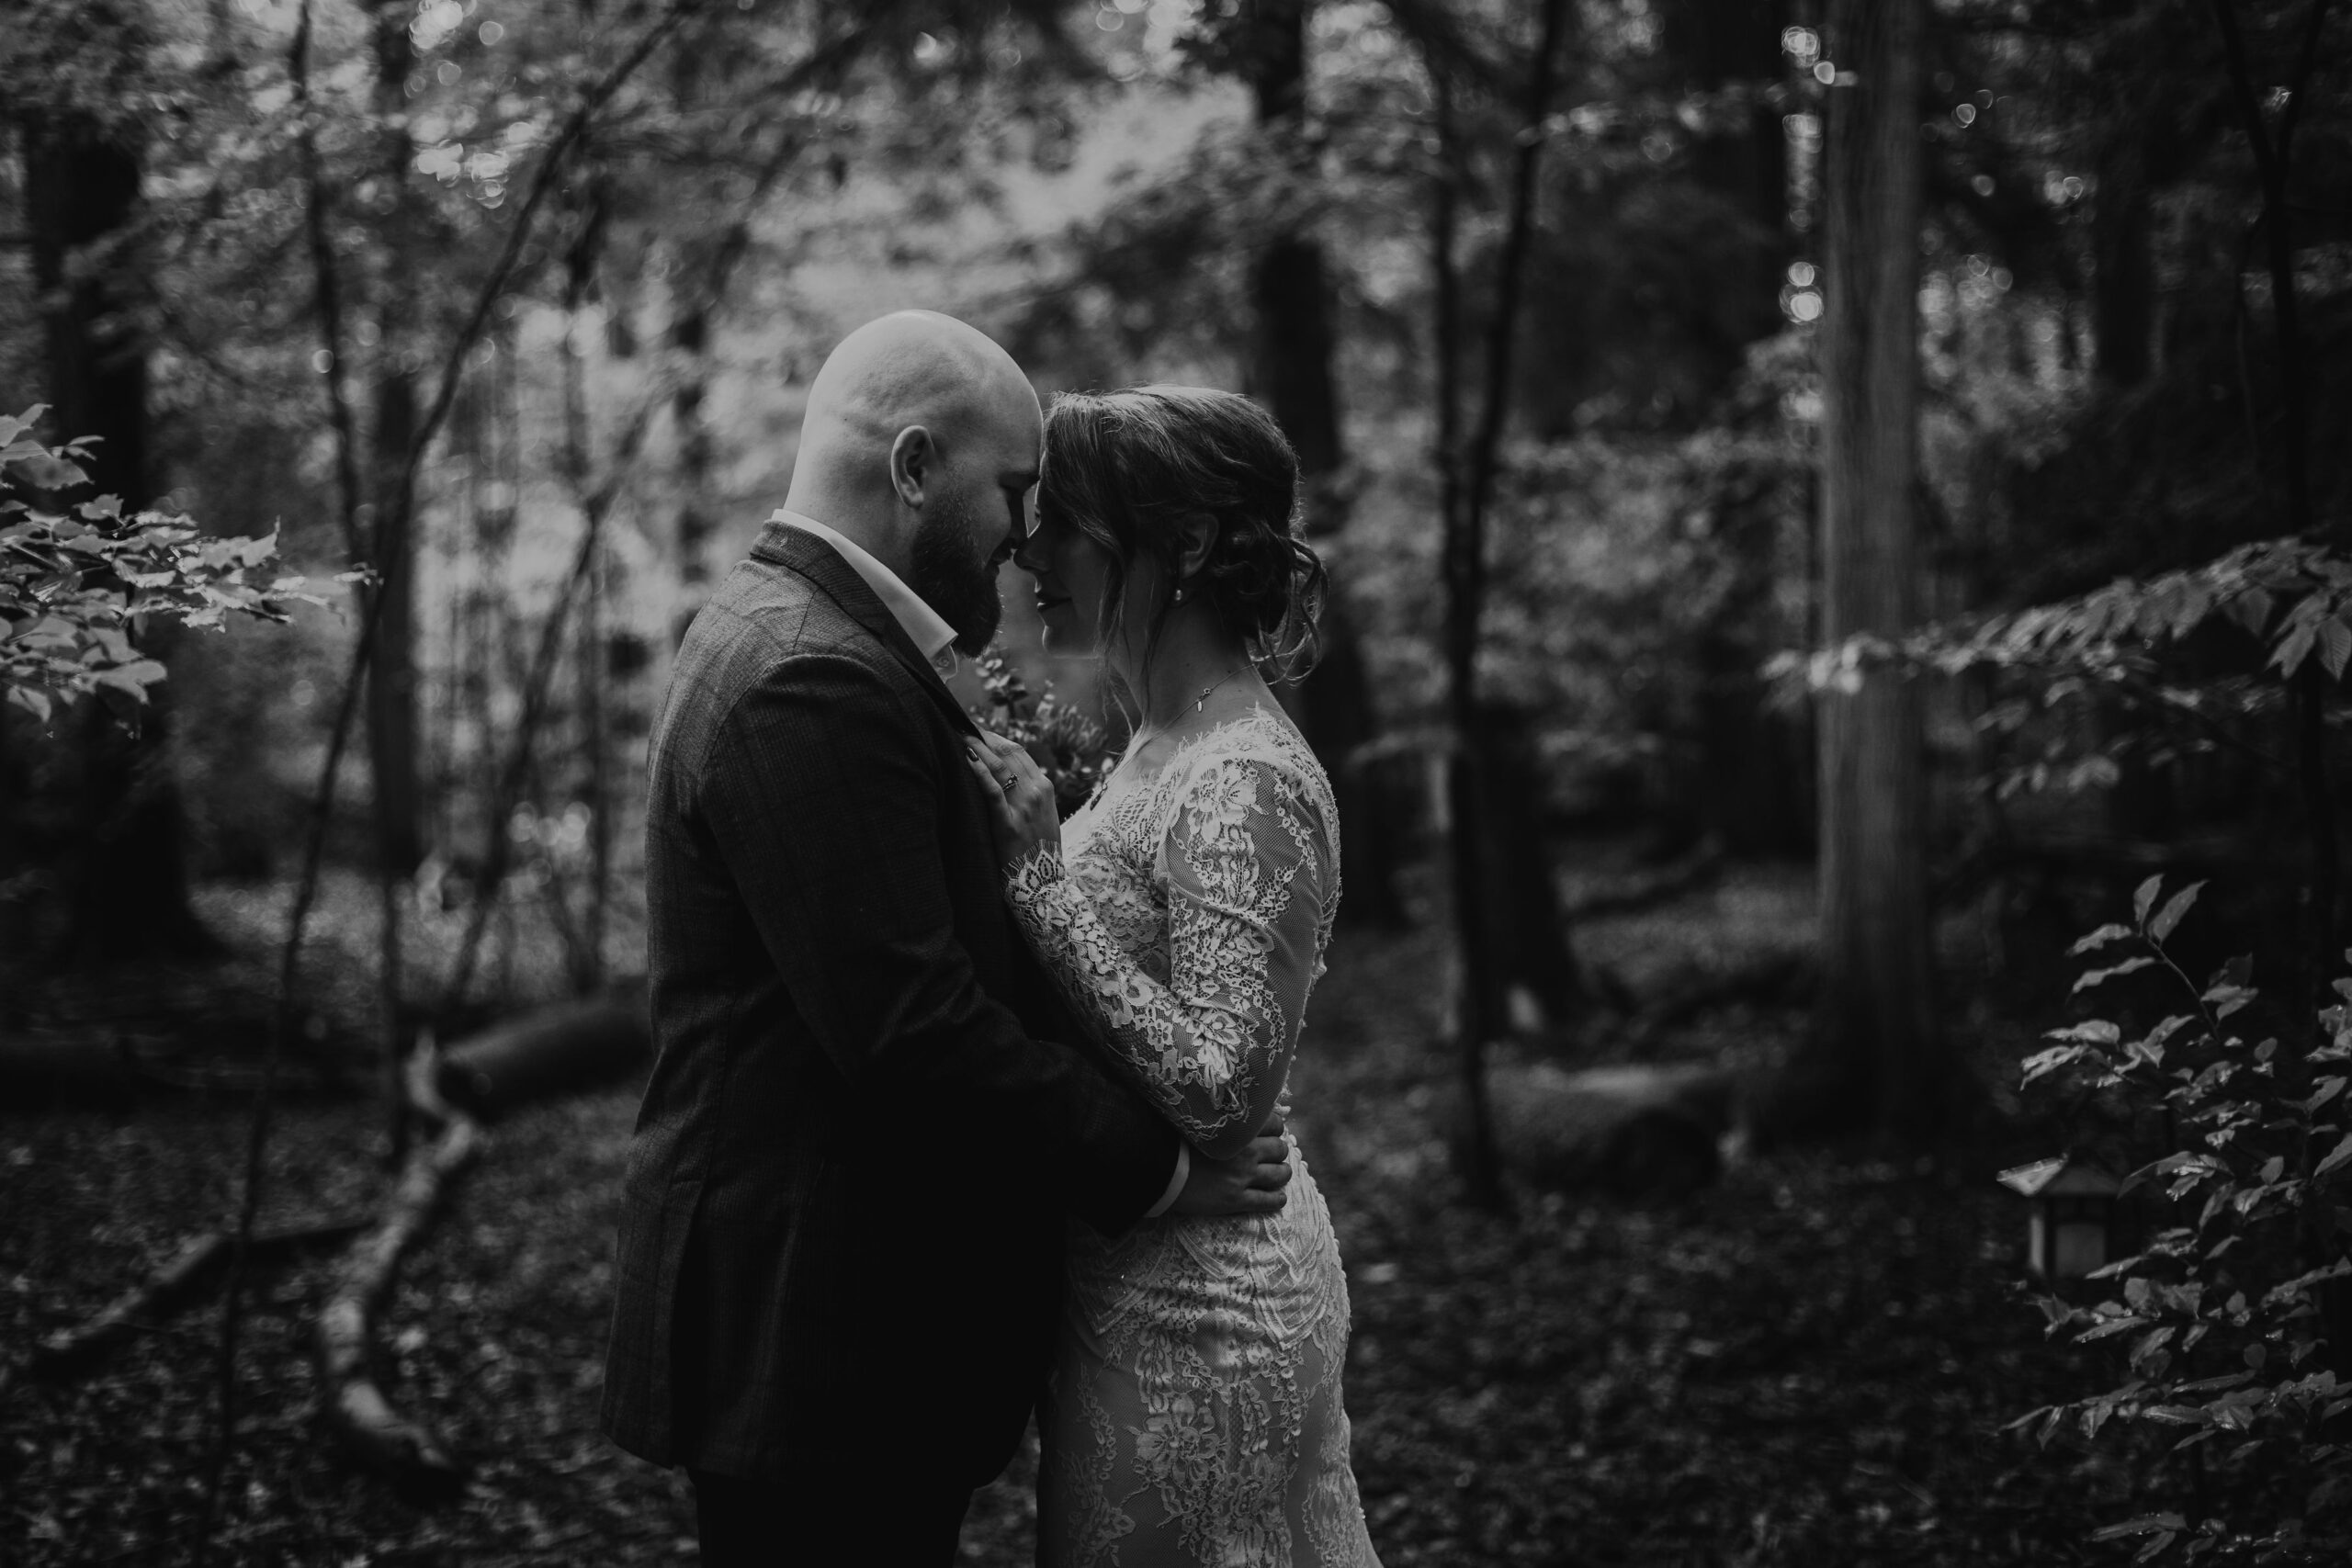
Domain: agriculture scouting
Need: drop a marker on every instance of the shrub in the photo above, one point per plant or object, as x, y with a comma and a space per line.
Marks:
2225, 1309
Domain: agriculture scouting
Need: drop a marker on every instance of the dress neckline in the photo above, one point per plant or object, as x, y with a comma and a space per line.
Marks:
1145, 783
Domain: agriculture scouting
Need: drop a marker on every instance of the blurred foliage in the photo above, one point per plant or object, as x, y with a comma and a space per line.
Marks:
778, 170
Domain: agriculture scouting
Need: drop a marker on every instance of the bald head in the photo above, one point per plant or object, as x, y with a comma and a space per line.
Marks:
911, 369
921, 430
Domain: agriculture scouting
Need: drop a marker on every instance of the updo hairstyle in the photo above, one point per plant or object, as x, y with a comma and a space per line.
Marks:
1126, 469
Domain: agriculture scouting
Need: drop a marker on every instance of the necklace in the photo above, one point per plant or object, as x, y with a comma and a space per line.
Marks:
1200, 702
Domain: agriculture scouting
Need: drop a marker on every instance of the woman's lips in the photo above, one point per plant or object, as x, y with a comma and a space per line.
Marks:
1047, 601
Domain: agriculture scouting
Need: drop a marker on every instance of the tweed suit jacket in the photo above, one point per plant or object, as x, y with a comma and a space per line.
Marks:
847, 1186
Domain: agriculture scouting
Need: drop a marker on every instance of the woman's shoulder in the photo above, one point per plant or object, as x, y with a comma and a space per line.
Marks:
1231, 766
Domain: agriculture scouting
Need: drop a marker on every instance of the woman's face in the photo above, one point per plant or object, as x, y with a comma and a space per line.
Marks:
1073, 575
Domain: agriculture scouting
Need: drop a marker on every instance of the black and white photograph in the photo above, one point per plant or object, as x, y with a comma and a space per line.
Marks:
1175, 784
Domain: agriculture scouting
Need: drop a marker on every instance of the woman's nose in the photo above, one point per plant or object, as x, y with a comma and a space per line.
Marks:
1024, 554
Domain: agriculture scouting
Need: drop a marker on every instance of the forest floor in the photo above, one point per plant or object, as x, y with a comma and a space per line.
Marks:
1809, 1363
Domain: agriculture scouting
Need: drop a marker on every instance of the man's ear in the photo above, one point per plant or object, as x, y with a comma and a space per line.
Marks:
911, 455
1196, 542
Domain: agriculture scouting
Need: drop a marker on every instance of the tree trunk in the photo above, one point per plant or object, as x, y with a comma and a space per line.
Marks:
1466, 482
2122, 265
391, 677
1291, 349
1876, 1057
1476, 1159
391, 693
128, 884
1752, 784
689, 336
1722, 42
1522, 928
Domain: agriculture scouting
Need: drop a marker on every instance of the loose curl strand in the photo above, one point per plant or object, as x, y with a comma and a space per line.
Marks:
1126, 468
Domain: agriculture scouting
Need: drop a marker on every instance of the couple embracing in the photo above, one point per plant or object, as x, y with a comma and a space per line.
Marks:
961, 1111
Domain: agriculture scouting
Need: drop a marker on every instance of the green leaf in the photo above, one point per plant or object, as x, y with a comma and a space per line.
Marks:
2287, 1291
2294, 648
2334, 646
2251, 610
131, 680
2100, 977
2108, 1327
33, 699
2336, 1158
2174, 907
2146, 1524
2145, 898
2097, 939
2199, 1164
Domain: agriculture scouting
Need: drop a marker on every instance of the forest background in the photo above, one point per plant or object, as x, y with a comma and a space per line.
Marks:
1825, 499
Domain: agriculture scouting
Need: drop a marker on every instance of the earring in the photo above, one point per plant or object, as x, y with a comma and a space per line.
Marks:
1180, 593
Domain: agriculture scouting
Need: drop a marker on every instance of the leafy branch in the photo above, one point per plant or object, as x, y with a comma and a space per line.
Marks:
75, 583
2293, 597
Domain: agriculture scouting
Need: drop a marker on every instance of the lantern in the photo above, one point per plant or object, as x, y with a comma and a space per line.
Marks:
2071, 1230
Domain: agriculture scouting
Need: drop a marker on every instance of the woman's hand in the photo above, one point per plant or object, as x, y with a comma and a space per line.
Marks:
1022, 807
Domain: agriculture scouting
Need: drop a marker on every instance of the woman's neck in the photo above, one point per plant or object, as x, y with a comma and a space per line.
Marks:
1196, 662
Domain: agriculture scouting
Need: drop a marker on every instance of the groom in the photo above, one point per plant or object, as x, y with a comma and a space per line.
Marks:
839, 1259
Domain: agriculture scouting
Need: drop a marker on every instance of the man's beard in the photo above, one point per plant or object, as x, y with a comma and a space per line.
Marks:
947, 573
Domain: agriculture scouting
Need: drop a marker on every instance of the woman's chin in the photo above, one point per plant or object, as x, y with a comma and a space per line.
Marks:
1061, 633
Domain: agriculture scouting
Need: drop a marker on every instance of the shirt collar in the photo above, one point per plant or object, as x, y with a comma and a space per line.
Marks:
931, 636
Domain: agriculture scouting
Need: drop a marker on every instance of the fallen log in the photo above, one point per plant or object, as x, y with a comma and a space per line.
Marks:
352, 1408
1632, 1132
44, 1073
195, 1269
57, 1072
569, 1045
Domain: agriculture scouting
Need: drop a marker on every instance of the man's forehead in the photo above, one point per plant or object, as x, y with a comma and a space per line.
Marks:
1019, 438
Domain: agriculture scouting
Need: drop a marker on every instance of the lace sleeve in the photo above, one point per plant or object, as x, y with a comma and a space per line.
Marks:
1248, 867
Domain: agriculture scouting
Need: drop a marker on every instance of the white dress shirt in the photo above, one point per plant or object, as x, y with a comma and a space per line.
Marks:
935, 640
924, 627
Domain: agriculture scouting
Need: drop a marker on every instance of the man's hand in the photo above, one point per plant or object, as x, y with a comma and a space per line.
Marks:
1251, 1182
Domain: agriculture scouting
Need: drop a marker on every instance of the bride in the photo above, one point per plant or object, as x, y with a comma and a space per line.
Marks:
1193, 1419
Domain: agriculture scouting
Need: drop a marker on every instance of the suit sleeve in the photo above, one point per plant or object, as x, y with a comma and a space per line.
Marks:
824, 800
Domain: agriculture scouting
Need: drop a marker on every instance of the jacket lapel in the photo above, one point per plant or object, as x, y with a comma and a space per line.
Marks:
801, 552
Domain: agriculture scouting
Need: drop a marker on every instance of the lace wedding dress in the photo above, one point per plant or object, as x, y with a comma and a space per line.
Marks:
1194, 1418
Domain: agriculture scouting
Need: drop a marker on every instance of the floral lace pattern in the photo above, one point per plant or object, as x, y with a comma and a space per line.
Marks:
1195, 1416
